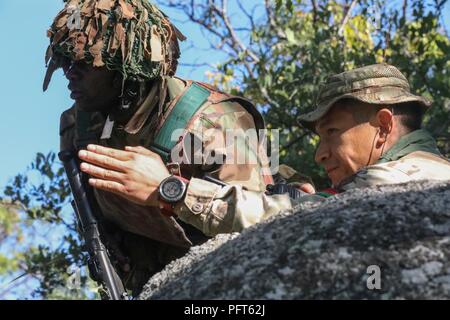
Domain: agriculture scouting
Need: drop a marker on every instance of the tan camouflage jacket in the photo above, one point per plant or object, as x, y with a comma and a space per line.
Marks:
211, 121
414, 157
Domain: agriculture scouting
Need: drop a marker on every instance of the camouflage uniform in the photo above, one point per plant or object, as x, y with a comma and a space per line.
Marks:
414, 157
172, 235
148, 239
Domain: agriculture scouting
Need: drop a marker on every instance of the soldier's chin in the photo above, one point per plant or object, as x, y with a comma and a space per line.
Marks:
335, 177
85, 106
88, 106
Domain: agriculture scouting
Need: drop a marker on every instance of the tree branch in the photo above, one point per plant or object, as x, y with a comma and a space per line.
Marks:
295, 141
233, 34
404, 7
314, 10
272, 20
346, 17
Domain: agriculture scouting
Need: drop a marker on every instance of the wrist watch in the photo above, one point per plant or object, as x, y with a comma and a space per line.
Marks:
172, 190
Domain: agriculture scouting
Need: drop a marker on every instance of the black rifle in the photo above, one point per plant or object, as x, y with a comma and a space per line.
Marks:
281, 187
99, 264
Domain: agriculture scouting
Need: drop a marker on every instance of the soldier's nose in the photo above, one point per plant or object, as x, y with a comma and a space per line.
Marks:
72, 73
322, 153
319, 156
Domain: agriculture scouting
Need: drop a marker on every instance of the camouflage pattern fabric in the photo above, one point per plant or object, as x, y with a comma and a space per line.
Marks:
418, 165
414, 157
135, 38
150, 238
240, 208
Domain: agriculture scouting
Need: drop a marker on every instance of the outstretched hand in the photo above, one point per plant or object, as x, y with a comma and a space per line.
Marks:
134, 173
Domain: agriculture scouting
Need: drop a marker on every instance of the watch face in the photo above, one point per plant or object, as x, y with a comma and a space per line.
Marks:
172, 189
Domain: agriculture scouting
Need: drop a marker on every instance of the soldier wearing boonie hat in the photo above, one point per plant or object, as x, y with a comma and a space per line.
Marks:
382, 142
379, 84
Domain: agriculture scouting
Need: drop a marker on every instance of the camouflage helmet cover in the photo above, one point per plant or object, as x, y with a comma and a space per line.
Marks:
378, 84
130, 36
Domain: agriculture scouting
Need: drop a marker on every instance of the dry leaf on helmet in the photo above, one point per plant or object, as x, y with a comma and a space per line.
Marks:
59, 35
127, 10
105, 5
80, 43
93, 30
155, 44
88, 8
105, 22
96, 51
74, 3
61, 21
52, 67
178, 33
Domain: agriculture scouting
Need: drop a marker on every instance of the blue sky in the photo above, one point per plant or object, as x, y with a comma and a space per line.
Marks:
30, 118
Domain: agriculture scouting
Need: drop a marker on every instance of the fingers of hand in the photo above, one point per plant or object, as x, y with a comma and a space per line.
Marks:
110, 152
142, 151
101, 173
308, 188
101, 160
110, 186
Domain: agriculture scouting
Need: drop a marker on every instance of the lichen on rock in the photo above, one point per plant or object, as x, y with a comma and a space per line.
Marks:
323, 251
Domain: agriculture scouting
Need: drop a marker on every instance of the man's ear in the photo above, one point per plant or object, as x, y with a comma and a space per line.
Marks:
384, 119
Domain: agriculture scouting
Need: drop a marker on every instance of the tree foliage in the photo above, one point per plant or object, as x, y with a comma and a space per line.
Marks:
39, 242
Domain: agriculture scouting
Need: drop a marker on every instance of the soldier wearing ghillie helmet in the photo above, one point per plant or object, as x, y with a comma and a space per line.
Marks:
120, 57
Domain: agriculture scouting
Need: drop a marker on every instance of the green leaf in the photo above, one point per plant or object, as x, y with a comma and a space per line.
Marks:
290, 36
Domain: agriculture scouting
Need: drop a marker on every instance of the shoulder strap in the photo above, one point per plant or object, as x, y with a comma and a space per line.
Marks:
195, 95
188, 104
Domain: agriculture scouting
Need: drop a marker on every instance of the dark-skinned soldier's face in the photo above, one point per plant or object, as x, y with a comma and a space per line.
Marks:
93, 88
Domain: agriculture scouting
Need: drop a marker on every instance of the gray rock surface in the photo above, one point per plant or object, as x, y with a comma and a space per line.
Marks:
323, 251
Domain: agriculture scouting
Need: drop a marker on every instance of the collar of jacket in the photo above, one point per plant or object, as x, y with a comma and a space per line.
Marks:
418, 140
